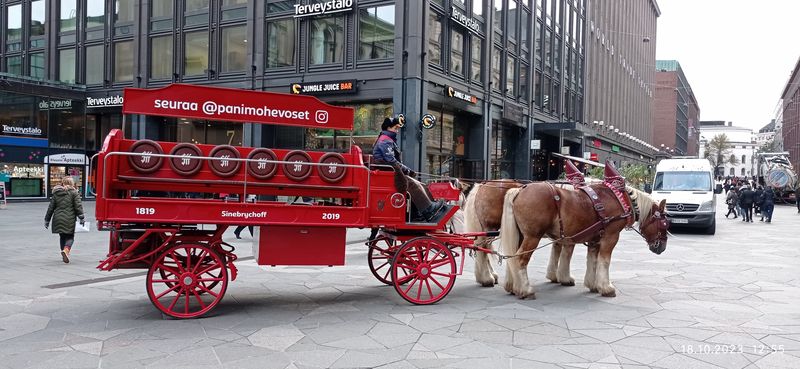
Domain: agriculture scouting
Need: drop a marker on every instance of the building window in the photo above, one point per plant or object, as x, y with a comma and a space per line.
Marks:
161, 15
95, 64
435, 39
511, 20
38, 22
14, 28
280, 43
161, 57
376, 33
327, 40
196, 12
742, 172
510, 74
195, 61
498, 15
95, 11
733, 172
477, 8
537, 89
477, 44
523, 82
14, 65
457, 53
123, 61
68, 17
234, 9
234, 49
66, 65
279, 6
744, 159
524, 35
496, 68
123, 12
36, 65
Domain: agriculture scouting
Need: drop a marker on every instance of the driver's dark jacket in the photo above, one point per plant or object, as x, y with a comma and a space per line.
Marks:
387, 152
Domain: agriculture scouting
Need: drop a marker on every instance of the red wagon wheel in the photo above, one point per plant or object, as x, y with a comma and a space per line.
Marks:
379, 258
430, 270
187, 280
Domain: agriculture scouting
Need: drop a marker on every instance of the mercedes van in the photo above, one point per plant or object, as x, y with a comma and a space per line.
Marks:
688, 186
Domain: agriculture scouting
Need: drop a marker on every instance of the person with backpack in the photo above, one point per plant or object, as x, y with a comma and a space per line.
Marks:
65, 207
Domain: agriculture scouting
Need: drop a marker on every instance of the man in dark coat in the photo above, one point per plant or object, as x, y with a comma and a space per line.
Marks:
386, 152
746, 199
65, 207
768, 205
758, 200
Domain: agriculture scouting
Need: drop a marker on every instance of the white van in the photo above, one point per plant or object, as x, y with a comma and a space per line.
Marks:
688, 186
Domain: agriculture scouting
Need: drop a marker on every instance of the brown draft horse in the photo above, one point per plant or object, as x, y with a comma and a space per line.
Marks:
541, 209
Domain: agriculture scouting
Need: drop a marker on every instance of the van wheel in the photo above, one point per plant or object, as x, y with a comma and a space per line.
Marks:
712, 228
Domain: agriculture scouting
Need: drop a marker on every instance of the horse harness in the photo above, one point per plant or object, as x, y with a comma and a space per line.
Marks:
600, 225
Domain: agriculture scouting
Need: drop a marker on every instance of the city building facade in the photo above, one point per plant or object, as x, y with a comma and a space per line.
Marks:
620, 79
676, 111
790, 117
487, 70
742, 147
766, 136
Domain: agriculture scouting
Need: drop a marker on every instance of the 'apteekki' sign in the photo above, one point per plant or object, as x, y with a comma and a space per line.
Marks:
325, 88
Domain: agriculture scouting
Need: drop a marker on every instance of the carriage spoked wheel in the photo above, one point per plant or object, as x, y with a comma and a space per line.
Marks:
195, 257
423, 271
379, 258
187, 280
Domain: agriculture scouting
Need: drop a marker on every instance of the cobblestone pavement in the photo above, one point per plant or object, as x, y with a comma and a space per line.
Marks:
730, 301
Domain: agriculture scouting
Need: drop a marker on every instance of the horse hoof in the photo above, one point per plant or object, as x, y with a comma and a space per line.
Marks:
487, 284
611, 293
593, 290
568, 283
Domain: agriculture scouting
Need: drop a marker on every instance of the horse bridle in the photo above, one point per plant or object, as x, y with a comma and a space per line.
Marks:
662, 225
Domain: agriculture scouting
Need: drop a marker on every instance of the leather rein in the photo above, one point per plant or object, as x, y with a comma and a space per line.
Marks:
600, 225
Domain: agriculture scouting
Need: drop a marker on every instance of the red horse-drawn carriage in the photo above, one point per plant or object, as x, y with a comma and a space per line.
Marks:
179, 240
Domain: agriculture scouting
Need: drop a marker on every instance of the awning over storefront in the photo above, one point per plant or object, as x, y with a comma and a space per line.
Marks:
581, 160
228, 104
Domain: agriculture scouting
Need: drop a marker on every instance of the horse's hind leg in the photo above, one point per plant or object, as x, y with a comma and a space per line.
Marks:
523, 288
484, 273
563, 273
591, 267
603, 282
552, 265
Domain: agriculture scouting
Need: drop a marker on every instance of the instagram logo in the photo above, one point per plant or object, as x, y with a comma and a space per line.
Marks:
321, 116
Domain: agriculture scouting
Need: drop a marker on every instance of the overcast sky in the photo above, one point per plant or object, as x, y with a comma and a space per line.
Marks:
737, 54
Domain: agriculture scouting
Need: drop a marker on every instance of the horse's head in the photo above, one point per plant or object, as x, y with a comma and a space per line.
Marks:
654, 228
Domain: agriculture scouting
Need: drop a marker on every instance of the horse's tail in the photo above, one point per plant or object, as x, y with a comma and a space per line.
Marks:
471, 221
509, 231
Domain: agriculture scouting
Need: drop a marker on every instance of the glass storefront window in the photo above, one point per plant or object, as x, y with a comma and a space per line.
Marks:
196, 48
202, 131
435, 39
66, 120
477, 48
123, 61
95, 12
14, 65
280, 43
366, 127
95, 64
326, 40
38, 18
14, 28
234, 49
69, 13
376, 33
457, 52
123, 11
441, 143
66, 65
502, 151
496, 56
161, 57
36, 65
510, 73
24, 180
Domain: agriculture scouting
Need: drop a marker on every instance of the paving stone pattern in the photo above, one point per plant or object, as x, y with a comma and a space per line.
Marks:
726, 301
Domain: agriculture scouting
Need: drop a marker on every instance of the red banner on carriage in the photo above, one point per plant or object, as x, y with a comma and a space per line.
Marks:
228, 104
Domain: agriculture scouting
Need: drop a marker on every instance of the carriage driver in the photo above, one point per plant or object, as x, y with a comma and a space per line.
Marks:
386, 152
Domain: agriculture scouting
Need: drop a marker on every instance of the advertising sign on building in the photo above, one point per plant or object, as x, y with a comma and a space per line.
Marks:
66, 159
322, 8
104, 102
15, 129
536, 144
461, 95
325, 88
55, 104
459, 17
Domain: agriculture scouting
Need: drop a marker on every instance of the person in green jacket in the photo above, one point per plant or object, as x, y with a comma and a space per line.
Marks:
65, 206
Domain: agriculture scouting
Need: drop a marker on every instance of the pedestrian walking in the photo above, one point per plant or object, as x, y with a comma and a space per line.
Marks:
768, 205
746, 200
732, 199
759, 199
65, 207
